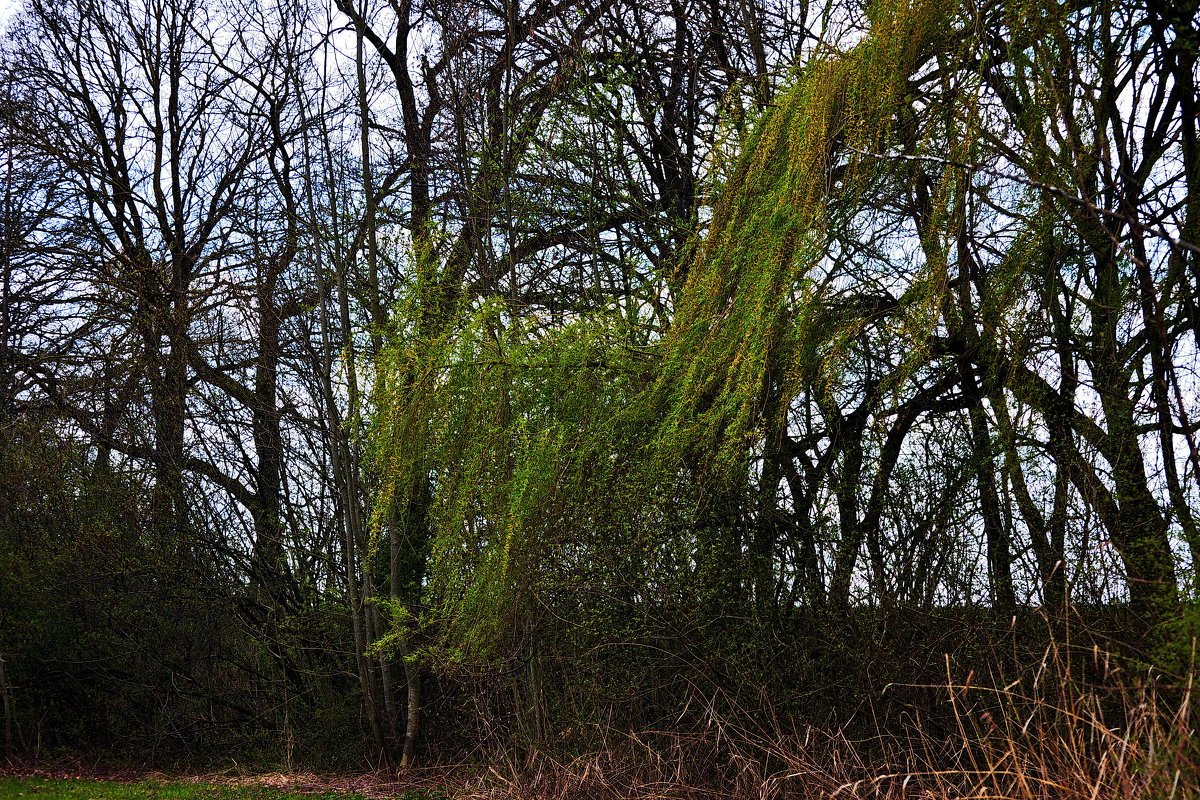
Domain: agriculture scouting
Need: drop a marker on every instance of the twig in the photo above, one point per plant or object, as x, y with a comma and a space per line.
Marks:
1054, 190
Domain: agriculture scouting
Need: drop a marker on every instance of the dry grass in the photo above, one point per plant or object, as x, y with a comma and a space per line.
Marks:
1073, 727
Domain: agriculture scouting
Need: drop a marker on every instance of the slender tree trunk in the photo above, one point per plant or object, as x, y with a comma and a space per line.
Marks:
412, 677
268, 566
6, 707
999, 557
1140, 531
168, 394
345, 465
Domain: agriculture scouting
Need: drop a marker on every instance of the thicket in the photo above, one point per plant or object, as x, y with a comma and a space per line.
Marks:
564, 408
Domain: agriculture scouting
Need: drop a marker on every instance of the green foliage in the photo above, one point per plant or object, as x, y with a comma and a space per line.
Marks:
423, 794
597, 456
752, 308
516, 426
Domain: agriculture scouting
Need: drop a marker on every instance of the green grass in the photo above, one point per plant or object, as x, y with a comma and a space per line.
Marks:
54, 789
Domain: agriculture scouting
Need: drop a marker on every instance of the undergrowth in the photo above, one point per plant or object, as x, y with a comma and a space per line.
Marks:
1076, 724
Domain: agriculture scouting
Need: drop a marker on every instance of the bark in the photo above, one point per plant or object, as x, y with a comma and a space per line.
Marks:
6, 707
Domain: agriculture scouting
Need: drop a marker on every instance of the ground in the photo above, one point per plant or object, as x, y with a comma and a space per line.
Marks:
207, 787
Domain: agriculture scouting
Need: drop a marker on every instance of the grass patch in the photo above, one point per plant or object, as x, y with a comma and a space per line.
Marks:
82, 789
